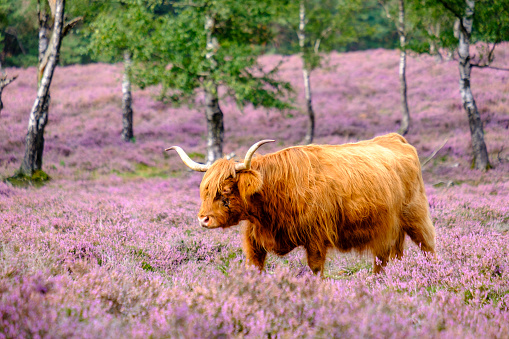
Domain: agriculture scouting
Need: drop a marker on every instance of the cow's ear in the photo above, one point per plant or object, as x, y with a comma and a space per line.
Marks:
249, 182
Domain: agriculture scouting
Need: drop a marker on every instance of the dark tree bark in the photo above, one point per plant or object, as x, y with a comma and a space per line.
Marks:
405, 119
213, 113
480, 152
34, 142
310, 132
127, 110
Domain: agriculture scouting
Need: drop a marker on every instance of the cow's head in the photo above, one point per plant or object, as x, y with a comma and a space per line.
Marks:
226, 188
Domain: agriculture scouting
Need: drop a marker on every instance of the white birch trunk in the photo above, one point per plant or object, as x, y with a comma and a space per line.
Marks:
480, 152
34, 144
213, 113
127, 100
310, 134
405, 119
306, 75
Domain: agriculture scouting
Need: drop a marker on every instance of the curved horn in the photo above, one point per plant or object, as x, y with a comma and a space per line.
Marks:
188, 161
247, 160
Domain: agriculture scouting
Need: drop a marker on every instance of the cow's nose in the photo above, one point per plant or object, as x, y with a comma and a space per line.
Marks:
204, 221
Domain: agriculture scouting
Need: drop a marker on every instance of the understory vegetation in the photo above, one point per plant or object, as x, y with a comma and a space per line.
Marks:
110, 246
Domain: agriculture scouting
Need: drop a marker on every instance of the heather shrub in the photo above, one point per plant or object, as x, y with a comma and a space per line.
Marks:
110, 247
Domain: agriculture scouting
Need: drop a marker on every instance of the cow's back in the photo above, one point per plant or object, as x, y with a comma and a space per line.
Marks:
346, 195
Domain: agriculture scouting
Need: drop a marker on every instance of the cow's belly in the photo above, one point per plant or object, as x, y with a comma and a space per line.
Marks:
359, 236
278, 242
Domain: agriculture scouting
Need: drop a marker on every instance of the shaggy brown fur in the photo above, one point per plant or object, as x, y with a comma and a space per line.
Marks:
362, 196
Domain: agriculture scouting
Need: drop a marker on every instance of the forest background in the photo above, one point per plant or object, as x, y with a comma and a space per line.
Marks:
19, 34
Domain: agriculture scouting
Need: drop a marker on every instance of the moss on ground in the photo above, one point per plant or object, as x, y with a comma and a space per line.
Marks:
37, 179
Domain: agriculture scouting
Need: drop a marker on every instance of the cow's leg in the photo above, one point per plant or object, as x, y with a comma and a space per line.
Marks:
316, 258
417, 224
381, 258
255, 254
397, 249
423, 237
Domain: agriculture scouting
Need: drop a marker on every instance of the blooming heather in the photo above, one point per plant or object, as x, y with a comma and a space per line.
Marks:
111, 248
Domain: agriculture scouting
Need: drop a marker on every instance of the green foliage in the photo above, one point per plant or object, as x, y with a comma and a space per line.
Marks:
378, 31
226, 259
147, 267
490, 25
119, 27
73, 50
329, 25
174, 53
19, 27
491, 21
18, 31
5, 8
109, 25
430, 25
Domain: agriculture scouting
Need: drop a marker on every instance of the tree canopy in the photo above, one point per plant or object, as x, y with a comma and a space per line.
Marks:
20, 32
176, 54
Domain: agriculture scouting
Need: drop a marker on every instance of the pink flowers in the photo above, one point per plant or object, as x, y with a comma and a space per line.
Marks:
111, 246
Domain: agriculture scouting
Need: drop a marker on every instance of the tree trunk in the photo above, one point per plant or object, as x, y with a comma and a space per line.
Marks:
405, 119
215, 126
34, 146
310, 133
480, 160
213, 113
127, 110
44, 42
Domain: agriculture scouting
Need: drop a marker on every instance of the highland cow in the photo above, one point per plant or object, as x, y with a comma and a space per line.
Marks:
359, 196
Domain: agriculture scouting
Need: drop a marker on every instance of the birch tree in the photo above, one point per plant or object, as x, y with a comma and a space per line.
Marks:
117, 32
308, 139
320, 26
209, 49
483, 24
213, 113
480, 151
49, 50
405, 120
400, 22
127, 100
48, 58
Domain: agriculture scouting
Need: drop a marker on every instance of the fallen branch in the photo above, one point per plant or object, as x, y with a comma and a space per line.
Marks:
434, 153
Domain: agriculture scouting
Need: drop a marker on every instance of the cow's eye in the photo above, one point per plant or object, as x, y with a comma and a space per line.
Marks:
225, 202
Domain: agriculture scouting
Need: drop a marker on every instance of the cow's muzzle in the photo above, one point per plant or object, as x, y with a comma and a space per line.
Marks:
204, 221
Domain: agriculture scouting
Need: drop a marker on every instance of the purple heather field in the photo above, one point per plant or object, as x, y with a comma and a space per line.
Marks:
111, 247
